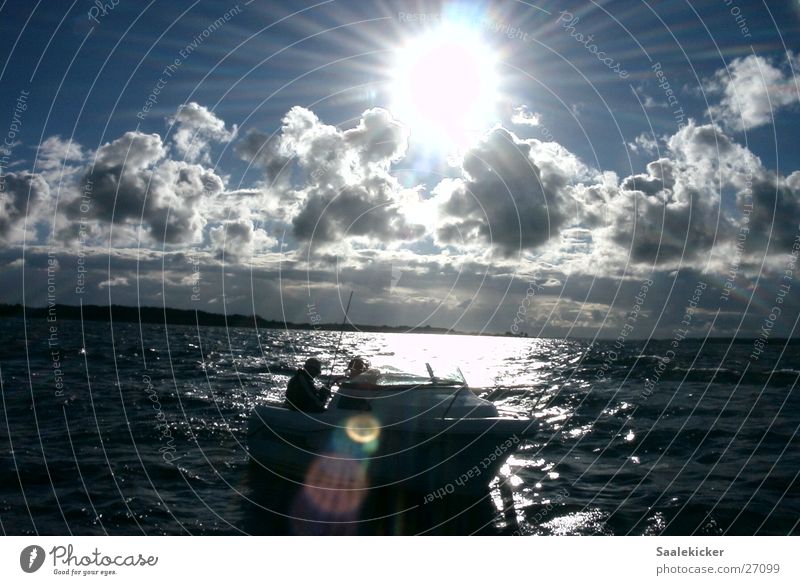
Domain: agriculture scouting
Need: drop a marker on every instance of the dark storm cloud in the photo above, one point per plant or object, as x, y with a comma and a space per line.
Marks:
775, 217
504, 199
660, 177
262, 151
20, 194
328, 215
661, 227
674, 212
238, 239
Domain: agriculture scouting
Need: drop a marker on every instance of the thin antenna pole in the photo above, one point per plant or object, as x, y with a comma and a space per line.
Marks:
341, 333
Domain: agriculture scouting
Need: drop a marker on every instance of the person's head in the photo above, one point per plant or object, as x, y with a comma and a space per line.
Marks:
313, 366
356, 366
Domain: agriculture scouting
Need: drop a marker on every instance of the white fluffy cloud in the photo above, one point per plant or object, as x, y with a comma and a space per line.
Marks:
56, 153
194, 129
346, 188
337, 191
644, 143
686, 208
331, 186
752, 90
132, 181
522, 116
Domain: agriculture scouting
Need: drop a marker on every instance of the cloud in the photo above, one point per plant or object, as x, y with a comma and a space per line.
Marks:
317, 146
673, 212
194, 129
644, 143
346, 188
691, 204
132, 181
56, 153
20, 195
505, 198
328, 215
378, 138
658, 227
773, 223
660, 177
263, 151
237, 239
116, 281
753, 89
416, 254
522, 116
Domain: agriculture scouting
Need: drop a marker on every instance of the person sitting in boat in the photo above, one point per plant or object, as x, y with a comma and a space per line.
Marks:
302, 394
359, 371
356, 367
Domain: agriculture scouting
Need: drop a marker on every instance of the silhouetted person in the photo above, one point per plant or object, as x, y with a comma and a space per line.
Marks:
302, 394
356, 367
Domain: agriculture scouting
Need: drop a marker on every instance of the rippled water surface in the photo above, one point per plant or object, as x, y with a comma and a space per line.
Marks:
147, 434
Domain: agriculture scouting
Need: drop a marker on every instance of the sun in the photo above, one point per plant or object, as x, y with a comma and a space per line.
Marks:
445, 87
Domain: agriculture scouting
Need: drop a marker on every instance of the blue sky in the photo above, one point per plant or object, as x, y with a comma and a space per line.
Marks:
279, 165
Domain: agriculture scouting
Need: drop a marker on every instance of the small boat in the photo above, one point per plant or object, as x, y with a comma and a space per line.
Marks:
390, 429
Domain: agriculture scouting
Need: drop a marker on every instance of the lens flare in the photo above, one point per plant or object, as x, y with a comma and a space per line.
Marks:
363, 428
335, 486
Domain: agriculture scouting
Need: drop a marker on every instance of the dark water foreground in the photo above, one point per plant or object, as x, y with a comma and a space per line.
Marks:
132, 430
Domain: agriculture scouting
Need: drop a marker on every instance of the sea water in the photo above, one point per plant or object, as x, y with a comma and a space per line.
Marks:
141, 429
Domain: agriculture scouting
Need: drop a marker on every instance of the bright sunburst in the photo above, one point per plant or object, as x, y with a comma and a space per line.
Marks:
445, 87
